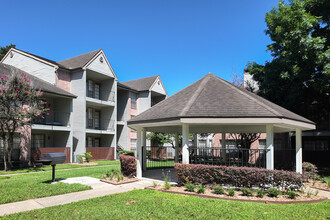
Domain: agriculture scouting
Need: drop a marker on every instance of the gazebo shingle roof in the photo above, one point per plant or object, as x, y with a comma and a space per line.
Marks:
213, 97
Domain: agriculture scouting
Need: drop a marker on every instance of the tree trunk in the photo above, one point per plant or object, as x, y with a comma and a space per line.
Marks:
4, 139
10, 149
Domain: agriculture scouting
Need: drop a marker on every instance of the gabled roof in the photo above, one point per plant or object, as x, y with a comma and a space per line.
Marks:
78, 61
213, 97
143, 84
35, 82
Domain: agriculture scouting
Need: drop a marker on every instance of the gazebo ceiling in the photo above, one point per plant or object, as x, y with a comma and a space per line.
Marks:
214, 105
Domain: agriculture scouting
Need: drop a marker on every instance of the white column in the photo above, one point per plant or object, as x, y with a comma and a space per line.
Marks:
139, 153
223, 145
144, 145
298, 151
176, 144
185, 142
270, 147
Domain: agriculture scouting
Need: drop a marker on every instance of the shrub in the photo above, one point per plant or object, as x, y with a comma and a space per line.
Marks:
114, 173
200, 189
154, 183
260, 193
273, 192
231, 192
128, 165
88, 156
80, 158
129, 152
292, 194
309, 170
316, 192
218, 190
190, 187
309, 194
248, 177
246, 192
167, 185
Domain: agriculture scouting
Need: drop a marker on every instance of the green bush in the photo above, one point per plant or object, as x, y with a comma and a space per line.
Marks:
218, 190
115, 173
167, 185
309, 170
88, 156
273, 192
260, 193
190, 187
80, 158
246, 192
125, 152
200, 189
292, 194
231, 192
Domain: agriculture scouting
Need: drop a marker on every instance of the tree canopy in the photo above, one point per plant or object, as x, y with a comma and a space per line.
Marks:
298, 76
4, 50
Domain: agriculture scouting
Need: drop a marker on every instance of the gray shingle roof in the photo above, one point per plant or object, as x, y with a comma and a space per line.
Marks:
214, 97
78, 61
139, 85
35, 82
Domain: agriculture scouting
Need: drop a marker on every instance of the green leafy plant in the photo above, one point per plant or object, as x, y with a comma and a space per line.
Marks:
190, 187
316, 192
80, 158
154, 183
309, 194
292, 194
218, 190
119, 176
88, 156
126, 152
260, 193
201, 189
231, 192
273, 192
167, 185
246, 192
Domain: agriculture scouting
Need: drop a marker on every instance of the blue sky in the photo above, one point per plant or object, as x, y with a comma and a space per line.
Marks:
179, 40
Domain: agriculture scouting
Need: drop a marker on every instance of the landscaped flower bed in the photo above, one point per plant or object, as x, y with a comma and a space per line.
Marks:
271, 195
116, 177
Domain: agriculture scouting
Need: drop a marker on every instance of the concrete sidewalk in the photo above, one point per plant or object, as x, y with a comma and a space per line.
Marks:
99, 189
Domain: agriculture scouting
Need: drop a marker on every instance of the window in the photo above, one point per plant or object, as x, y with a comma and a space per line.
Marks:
133, 144
90, 118
90, 88
38, 141
97, 119
97, 91
89, 141
97, 142
133, 100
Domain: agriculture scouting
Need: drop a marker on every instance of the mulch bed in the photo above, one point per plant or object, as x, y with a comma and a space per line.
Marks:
318, 185
116, 182
282, 199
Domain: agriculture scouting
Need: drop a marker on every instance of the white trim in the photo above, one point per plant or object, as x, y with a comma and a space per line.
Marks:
158, 77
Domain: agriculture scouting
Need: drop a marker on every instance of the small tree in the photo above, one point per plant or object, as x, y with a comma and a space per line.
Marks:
19, 104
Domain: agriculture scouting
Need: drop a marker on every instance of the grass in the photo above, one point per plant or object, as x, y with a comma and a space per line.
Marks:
36, 185
148, 204
160, 164
59, 166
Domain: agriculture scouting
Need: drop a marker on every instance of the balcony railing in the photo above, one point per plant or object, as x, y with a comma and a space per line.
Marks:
104, 124
53, 118
104, 95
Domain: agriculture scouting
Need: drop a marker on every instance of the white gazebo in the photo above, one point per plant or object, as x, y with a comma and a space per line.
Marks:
213, 105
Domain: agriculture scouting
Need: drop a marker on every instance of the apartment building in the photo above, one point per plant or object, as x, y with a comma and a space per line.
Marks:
134, 97
86, 122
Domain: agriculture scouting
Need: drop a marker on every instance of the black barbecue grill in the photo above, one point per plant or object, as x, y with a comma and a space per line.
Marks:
52, 159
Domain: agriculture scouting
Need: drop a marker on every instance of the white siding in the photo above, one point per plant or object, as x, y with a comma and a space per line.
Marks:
144, 101
32, 66
158, 87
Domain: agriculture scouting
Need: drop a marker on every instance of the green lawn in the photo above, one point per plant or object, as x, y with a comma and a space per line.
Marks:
148, 204
59, 166
35, 185
159, 164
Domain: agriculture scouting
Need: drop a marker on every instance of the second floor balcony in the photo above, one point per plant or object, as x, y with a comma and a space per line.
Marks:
53, 119
100, 124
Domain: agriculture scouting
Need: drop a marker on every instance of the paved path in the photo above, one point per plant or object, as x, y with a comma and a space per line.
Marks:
321, 192
99, 189
42, 171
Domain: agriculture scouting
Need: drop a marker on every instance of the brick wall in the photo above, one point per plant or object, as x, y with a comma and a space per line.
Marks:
101, 153
40, 151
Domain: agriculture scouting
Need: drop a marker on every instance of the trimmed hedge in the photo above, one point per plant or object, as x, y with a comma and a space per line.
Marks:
127, 165
237, 176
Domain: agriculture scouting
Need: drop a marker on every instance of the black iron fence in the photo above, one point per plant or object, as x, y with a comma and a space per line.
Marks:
164, 156
228, 156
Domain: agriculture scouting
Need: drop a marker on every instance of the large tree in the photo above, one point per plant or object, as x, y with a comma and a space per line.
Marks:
19, 104
298, 76
4, 50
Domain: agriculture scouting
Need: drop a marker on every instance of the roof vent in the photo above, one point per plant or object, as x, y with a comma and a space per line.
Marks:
101, 59
11, 54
